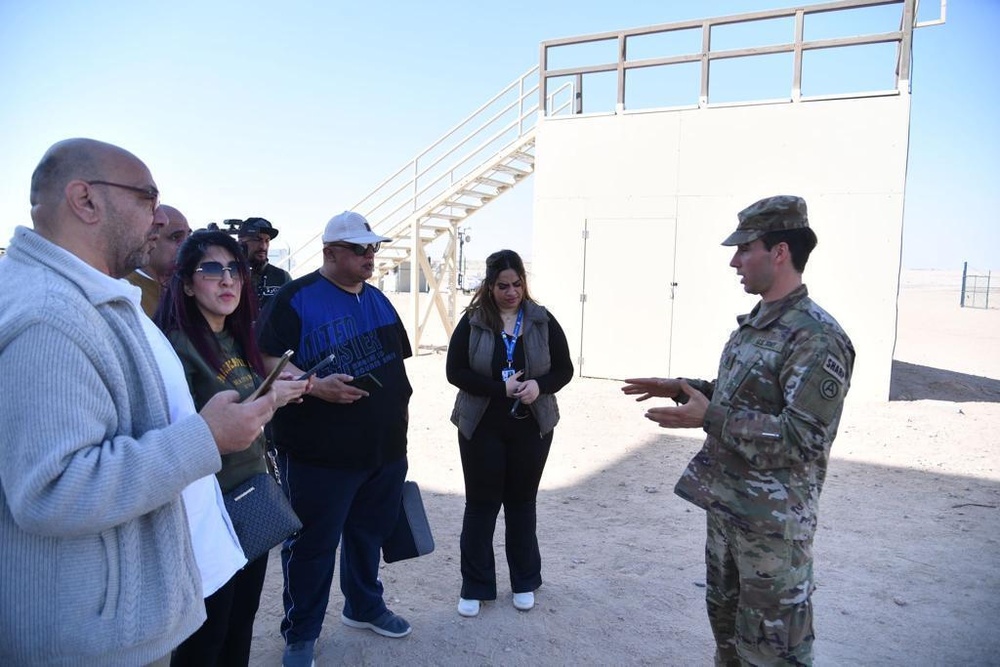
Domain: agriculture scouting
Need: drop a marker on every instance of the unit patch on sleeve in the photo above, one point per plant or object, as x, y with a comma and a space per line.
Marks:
835, 368
829, 389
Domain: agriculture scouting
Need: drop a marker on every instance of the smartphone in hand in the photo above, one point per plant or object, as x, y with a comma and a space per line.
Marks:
271, 377
366, 382
326, 361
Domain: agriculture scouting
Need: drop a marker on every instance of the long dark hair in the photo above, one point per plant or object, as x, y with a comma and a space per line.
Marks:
178, 311
482, 300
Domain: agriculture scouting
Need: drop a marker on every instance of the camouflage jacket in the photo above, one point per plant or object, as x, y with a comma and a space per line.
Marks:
773, 414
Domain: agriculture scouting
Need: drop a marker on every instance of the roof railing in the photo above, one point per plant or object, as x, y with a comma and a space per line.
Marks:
706, 55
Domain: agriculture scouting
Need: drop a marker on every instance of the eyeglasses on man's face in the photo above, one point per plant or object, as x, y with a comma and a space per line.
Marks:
149, 192
213, 270
358, 249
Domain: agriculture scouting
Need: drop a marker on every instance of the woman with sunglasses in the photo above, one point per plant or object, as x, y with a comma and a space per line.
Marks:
508, 357
206, 312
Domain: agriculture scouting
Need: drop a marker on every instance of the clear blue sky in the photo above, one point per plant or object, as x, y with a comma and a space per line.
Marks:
295, 110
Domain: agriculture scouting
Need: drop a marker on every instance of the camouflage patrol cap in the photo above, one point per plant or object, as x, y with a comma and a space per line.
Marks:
770, 214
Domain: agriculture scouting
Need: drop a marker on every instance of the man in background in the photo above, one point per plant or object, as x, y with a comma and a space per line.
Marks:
255, 235
153, 277
98, 565
771, 416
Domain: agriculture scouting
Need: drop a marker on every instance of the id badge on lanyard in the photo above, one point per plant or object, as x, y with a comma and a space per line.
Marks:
509, 342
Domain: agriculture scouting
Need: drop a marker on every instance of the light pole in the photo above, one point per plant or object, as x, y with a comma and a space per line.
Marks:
463, 238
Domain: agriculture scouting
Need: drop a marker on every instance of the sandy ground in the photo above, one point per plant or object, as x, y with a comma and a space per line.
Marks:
907, 552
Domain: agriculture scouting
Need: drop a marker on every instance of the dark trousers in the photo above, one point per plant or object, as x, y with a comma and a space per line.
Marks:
224, 638
355, 508
502, 464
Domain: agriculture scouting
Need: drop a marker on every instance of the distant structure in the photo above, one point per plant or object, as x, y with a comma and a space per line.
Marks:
637, 187
643, 144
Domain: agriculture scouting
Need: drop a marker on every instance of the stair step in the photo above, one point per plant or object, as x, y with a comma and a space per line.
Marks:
445, 216
482, 196
512, 170
494, 183
464, 204
426, 234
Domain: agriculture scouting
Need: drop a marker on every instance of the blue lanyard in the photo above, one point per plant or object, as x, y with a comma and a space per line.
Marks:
509, 341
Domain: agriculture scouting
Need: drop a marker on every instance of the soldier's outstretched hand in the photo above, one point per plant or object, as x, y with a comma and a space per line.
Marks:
650, 387
689, 415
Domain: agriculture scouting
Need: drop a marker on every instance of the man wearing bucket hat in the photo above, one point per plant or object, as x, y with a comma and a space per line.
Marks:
342, 451
255, 236
771, 416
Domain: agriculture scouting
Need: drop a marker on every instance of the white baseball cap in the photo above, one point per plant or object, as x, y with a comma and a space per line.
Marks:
352, 228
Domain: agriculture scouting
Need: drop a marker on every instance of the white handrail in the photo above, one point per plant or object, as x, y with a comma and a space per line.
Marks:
404, 185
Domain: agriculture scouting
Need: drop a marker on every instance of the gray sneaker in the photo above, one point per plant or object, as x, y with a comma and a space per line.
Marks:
387, 625
299, 654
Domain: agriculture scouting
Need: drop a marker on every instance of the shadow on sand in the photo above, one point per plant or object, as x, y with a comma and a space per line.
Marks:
618, 584
911, 382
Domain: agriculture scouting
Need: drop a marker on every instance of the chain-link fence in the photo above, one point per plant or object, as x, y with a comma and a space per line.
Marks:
975, 288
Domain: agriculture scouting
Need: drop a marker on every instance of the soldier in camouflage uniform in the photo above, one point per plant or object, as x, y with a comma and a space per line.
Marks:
771, 416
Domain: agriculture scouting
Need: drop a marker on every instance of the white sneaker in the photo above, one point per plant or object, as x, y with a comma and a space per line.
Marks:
468, 608
524, 601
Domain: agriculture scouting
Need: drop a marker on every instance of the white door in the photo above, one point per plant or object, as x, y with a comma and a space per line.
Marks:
627, 301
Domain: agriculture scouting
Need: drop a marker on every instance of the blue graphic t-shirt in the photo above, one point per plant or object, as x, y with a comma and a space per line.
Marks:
315, 318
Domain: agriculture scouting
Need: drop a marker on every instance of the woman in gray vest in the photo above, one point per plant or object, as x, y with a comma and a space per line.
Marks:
508, 357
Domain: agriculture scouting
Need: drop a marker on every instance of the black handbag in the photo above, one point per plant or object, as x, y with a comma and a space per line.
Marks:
411, 536
261, 515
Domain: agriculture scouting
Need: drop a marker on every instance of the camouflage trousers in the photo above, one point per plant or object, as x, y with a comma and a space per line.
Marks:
758, 592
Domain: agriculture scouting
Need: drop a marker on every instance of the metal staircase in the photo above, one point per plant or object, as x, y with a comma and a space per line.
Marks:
425, 201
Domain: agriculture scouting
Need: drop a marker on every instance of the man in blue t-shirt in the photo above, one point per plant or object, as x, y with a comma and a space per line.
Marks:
342, 451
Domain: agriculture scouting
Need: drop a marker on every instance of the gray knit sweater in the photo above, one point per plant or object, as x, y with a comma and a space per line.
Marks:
96, 559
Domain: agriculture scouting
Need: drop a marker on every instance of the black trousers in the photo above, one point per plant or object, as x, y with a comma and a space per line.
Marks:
502, 464
224, 638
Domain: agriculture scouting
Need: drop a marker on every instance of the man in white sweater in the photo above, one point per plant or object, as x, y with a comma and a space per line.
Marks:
97, 560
